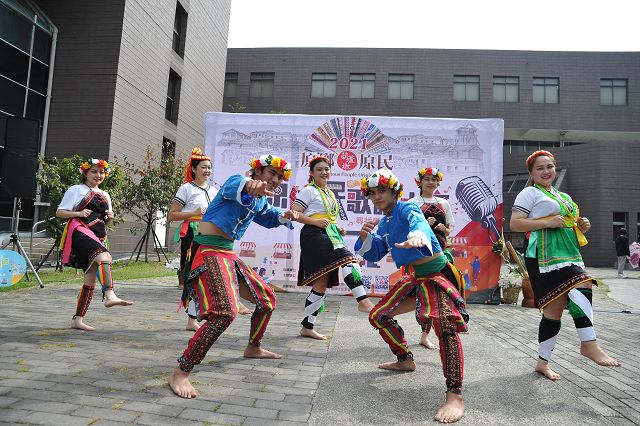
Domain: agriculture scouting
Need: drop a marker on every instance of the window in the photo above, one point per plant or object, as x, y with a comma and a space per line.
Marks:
231, 85
323, 85
168, 149
506, 89
362, 85
401, 86
466, 87
545, 90
179, 30
173, 97
613, 91
261, 84
620, 220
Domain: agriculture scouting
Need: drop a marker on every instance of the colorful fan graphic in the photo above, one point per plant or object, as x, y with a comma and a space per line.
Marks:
350, 134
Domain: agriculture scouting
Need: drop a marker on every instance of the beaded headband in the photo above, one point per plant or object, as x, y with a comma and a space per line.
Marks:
538, 154
196, 155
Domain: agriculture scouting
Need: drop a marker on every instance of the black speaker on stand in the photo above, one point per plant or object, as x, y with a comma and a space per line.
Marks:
18, 176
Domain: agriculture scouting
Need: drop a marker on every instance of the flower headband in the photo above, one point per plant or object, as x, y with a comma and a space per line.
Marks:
537, 154
381, 179
196, 155
84, 167
433, 171
273, 161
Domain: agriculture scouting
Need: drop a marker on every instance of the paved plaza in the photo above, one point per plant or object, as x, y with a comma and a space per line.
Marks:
51, 374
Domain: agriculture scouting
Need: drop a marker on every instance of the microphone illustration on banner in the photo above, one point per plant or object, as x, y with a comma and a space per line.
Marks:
479, 203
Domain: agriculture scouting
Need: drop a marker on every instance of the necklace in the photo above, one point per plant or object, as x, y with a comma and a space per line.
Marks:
329, 201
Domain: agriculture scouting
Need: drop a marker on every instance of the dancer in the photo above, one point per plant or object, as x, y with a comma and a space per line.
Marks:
554, 263
322, 248
215, 270
189, 205
89, 211
437, 211
405, 232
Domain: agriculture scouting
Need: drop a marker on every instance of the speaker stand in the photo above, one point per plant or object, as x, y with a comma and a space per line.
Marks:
15, 240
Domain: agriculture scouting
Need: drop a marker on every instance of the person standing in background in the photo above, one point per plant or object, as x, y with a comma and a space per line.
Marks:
622, 251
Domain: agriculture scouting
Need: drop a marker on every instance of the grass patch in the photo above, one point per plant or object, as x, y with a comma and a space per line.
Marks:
93, 420
122, 271
57, 345
23, 370
20, 362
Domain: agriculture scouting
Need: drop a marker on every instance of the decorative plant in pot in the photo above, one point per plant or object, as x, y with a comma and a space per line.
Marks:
510, 283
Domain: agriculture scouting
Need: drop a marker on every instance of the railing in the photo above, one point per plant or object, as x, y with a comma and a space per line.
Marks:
34, 232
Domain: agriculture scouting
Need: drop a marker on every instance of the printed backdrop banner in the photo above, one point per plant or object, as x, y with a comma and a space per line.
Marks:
468, 152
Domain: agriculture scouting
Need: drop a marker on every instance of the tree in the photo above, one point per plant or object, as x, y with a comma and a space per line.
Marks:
56, 175
147, 193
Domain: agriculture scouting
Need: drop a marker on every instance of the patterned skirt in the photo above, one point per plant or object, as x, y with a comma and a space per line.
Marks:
318, 257
549, 286
83, 250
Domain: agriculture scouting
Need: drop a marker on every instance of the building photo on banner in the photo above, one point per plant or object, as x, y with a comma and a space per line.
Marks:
467, 151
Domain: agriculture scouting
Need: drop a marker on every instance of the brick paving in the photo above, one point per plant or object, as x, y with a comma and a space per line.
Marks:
51, 374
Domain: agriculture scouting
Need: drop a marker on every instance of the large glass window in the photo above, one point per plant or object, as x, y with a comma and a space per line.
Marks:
231, 85
179, 30
261, 84
506, 89
323, 85
12, 98
613, 91
14, 29
362, 86
401, 86
173, 97
545, 90
466, 87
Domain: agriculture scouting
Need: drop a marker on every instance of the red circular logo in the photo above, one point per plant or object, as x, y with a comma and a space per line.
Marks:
347, 160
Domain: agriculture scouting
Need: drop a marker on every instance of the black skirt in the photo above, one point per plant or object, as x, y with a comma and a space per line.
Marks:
318, 257
83, 250
548, 286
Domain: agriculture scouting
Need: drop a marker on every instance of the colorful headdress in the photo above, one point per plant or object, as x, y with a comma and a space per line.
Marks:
273, 161
84, 167
381, 179
432, 171
537, 154
196, 155
317, 158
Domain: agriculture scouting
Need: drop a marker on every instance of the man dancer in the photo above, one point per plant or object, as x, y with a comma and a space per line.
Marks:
214, 271
405, 232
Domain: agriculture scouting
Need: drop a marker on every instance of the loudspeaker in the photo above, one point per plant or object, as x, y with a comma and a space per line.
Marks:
20, 159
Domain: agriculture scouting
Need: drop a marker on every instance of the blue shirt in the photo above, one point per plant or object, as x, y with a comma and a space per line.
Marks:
403, 221
232, 210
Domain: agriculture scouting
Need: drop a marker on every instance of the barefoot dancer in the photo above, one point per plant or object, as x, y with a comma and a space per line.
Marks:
89, 211
322, 248
189, 205
405, 232
554, 262
216, 271
437, 211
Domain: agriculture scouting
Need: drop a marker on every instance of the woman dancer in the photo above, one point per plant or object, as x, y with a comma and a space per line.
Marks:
89, 211
437, 211
322, 248
554, 263
189, 205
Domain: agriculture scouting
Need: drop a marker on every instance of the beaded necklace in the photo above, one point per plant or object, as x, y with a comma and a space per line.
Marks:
329, 201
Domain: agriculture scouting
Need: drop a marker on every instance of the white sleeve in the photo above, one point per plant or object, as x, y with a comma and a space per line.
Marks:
525, 200
182, 196
108, 200
305, 197
447, 212
70, 199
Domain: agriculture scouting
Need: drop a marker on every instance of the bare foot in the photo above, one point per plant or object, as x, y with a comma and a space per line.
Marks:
181, 386
408, 365
543, 368
258, 352
243, 310
310, 332
192, 324
365, 305
79, 324
113, 300
452, 410
424, 341
594, 352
